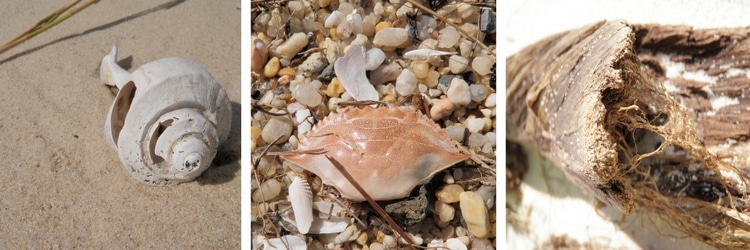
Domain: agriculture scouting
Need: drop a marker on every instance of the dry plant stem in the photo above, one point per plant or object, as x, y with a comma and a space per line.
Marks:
46, 23
372, 202
459, 29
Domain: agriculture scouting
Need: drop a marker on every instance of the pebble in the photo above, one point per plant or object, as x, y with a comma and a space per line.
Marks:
474, 213
457, 64
456, 132
448, 178
420, 68
267, 166
458, 92
385, 73
286, 72
377, 246
446, 80
471, 29
482, 244
490, 101
269, 190
334, 19
272, 67
345, 7
447, 232
324, 3
327, 74
307, 94
455, 244
422, 88
474, 124
406, 83
389, 242
491, 138
332, 51
374, 58
314, 63
482, 65
368, 24
274, 24
297, 8
391, 37
462, 232
476, 140
445, 212
334, 88
434, 93
448, 37
464, 239
465, 47
417, 240
351, 233
276, 127
441, 109
382, 25
432, 79
487, 21
291, 47
449, 193
465, 10
478, 93
488, 195
425, 24
255, 132
362, 239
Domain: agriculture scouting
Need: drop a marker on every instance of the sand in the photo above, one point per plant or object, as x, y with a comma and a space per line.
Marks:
61, 184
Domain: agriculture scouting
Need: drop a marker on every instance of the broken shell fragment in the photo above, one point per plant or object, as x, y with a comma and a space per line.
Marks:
388, 151
351, 73
167, 120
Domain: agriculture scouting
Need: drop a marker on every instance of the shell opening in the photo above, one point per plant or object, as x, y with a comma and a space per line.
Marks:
119, 112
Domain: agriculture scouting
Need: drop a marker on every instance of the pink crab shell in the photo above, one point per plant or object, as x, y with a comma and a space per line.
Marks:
387, 150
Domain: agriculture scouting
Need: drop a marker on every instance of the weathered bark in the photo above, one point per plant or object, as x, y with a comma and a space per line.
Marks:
644, 117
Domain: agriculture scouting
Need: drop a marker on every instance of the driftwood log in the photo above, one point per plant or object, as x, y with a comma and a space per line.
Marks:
646, 118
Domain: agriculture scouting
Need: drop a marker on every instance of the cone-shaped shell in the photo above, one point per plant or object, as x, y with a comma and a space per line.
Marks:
387, 150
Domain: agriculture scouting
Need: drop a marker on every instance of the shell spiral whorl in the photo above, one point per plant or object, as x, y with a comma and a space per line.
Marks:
168, 119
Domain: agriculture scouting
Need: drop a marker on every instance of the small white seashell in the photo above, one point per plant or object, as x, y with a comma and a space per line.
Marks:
285, 242
422, 54
329, 225
350, 70
301, 199
167, 120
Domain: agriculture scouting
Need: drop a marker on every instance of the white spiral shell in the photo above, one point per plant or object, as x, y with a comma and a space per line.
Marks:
167, 120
